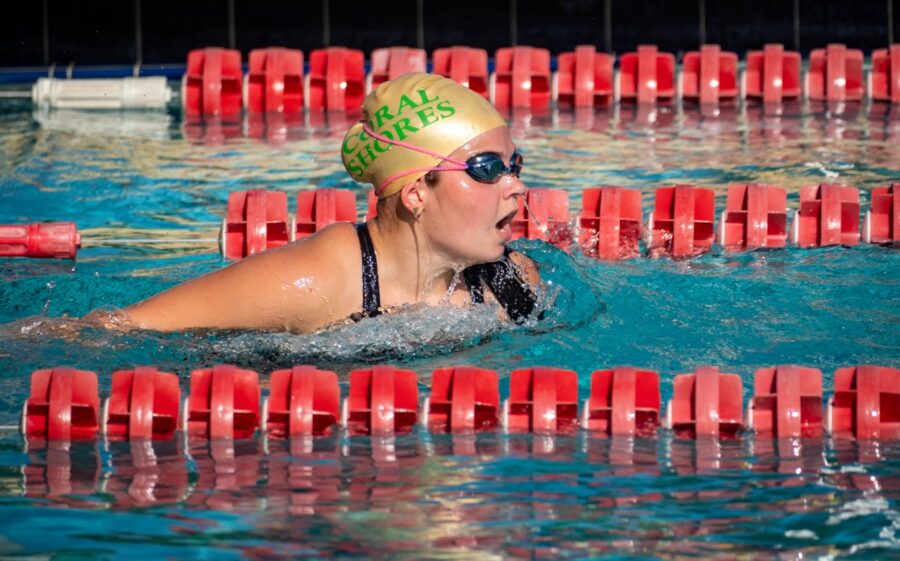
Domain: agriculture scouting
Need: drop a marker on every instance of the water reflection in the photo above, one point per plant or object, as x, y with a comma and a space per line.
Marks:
146, 473
488, 494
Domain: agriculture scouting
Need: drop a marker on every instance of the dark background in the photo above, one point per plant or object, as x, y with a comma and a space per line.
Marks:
97, 32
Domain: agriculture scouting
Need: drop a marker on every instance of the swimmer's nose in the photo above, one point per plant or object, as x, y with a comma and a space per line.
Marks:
512, 186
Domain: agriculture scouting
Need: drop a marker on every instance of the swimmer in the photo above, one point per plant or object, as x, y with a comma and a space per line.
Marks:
446, 174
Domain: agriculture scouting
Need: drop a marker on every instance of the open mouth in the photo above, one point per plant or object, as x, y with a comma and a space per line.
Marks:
506, 220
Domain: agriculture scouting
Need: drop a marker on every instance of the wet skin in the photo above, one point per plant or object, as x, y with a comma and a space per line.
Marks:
423, 239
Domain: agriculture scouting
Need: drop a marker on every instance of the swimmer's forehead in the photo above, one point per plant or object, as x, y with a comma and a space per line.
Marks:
495, 141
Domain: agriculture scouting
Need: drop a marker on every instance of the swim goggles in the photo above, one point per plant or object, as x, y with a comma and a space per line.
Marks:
488, 167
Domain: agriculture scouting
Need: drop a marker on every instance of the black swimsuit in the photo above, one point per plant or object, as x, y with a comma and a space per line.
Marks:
500, 276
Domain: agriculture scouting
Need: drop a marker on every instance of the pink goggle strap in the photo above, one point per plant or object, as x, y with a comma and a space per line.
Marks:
457, 164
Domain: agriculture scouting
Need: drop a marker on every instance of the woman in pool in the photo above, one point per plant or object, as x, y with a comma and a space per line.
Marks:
446, 173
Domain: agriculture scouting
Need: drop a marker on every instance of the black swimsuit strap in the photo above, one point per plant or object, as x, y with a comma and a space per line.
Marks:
500, 276
509, 289
370, 290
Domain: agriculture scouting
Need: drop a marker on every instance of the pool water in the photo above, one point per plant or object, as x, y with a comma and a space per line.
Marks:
148, 192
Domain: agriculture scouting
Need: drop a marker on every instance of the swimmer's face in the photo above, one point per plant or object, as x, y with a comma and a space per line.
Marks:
467, 220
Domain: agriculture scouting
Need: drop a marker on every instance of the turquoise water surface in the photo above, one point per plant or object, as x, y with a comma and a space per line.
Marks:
148, 193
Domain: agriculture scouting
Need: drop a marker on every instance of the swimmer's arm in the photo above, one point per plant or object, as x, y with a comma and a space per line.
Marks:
275, 290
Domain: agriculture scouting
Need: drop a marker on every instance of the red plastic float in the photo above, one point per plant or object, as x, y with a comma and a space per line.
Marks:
275, 81
224, 403
709, 76
884, 82
882, 222
463, 398
393, 62
681, 224
541, 400
787, 402
548, 218
382, 400
610, 222
835, 74
828, 215
707, 403
256, 220
865, 403
58, 240
143, 404
465, 65
647, 76
755, 217
522, 78
63, 405
303, 401
624, 401
336, 79
772, 74
584, 78
319, 208
212, 84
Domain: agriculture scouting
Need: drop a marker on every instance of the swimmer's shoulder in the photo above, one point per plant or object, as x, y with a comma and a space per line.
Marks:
330, 261
527, 268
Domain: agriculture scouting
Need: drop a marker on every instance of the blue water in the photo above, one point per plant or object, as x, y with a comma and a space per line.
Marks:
150, 178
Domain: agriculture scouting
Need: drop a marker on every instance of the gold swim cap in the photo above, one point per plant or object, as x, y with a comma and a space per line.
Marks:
418, 120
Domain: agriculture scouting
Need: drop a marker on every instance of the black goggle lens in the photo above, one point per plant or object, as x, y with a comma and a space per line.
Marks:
489, 167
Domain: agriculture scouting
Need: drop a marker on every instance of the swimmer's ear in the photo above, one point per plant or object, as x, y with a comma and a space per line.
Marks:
413, 196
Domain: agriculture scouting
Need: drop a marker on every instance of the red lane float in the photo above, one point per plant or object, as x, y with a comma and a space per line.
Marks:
143, 404
647, 76
584, 78
57, 240
755, 217
465, 65
275, 81
772, 74
212, 83
681, 224
543, 215
393, 62
336, 79
707, 403
319, 208
463, 399
865, 403
303, 401
623, 401
884, 81
709, 76
610, 222
63, 405
828, 215
255, 221
786, 402
835, 74
522, 78
382, 400
224, 403
541, 400
882, 222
